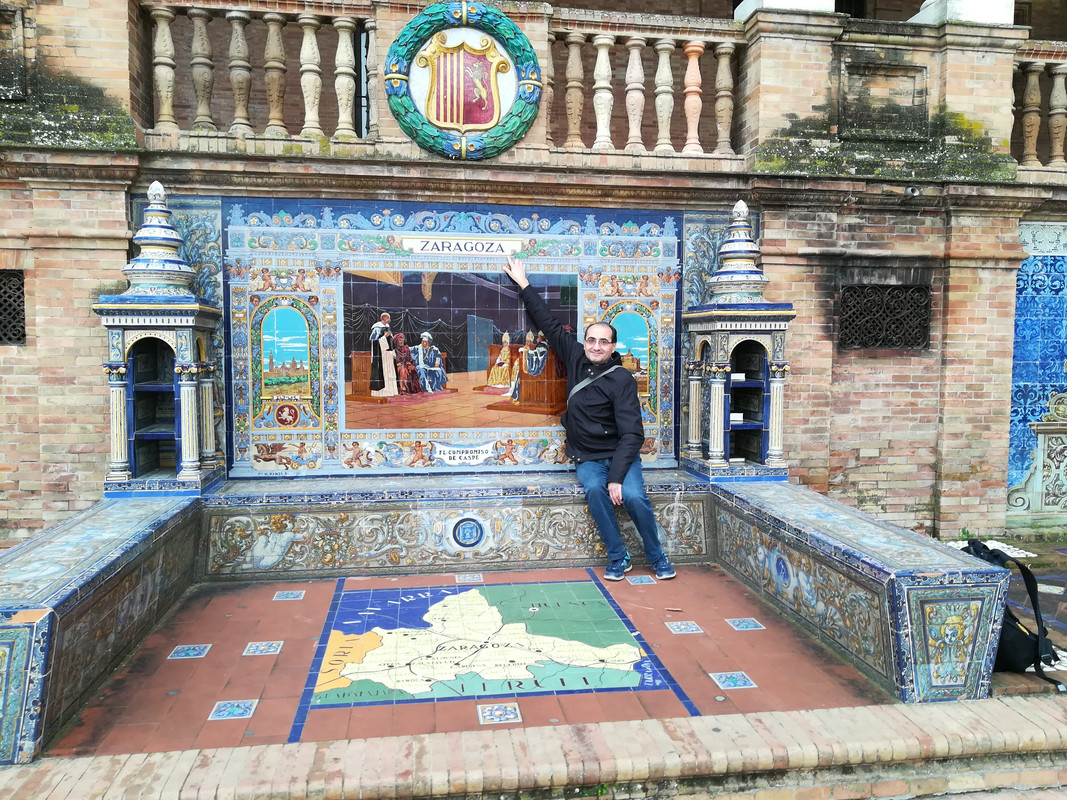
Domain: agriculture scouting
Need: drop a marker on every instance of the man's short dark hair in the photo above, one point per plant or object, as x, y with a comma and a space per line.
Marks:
614, 333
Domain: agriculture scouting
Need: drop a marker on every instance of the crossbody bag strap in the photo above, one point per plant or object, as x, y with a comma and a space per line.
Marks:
1031, 590
582, 384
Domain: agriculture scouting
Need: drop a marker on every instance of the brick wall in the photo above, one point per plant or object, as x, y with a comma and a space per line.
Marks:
69, 237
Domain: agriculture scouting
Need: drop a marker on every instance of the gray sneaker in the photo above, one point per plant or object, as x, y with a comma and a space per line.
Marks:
663, 569
617, 568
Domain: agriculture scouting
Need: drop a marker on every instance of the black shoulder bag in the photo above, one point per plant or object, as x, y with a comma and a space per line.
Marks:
1019, 647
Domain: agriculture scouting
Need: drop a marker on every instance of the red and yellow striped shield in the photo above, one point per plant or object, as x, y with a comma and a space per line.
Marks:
464, 94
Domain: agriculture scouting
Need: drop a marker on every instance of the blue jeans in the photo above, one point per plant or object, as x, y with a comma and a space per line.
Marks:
593, 475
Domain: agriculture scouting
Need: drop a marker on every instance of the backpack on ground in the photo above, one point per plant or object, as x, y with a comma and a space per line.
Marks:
1019, 647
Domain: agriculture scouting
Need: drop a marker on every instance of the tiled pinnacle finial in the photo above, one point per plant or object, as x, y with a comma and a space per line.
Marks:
738, 278
158, 269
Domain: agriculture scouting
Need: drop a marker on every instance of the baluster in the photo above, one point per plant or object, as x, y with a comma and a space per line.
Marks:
203, 69
664, 96
724, 99
240, 72
1057, 122
371, 26
693, 102
1031, 112
548, 74
635, 94
274, 66
163, 68
310, 75
575, 96
602, 98
344, 81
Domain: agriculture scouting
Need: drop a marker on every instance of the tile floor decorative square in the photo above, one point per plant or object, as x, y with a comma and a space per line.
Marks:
289, 595
189, 651
639, 580
550, 623
233, 709
472, 577
732, 680
497, 713
683, 627
745, 624
262, 648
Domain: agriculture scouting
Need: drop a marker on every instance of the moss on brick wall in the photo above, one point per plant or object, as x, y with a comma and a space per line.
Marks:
950, 147
61, 111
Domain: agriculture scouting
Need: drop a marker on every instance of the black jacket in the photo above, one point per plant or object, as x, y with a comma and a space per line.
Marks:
603, 420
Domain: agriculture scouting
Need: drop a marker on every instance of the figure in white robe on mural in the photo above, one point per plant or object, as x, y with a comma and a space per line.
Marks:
382, 362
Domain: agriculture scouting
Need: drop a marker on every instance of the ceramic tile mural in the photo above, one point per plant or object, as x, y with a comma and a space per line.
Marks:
1039, 367
320, 297
24, 637
390, 536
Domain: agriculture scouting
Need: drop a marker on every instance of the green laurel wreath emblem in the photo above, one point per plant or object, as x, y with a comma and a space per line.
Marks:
483, 144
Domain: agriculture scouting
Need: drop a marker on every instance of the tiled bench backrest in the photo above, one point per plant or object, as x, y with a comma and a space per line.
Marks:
919, 617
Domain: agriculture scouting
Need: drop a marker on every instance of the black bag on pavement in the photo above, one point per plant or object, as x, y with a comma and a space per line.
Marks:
1019, 648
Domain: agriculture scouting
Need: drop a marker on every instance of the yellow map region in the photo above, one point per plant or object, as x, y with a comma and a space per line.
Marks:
342, 650
465, 635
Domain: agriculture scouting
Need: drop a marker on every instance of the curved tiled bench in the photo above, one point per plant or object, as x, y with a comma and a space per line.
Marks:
915, 615
919, 617
75, 600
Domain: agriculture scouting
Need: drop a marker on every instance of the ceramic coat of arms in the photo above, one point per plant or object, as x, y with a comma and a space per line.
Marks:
463, 81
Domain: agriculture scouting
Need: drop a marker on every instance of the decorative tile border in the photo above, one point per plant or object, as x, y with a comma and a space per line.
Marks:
745, 624
289, 594
498, 713
683, 627
640, 580
732, 680
183, 651
233, 709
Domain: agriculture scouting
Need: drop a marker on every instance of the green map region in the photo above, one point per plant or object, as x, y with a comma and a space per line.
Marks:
390, 645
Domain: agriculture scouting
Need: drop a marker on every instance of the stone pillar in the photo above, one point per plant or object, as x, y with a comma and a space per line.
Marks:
575, 95
603, 100
310, 75
635, 94
986, 12
203, 69
274, 69
344, 81
207, 418
189, 458
775, 425
664, 95
240, 71
693, 102
118, 468
695, 373
716, 409
163, 68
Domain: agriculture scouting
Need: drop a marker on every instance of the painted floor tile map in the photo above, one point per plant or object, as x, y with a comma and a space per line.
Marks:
444, 642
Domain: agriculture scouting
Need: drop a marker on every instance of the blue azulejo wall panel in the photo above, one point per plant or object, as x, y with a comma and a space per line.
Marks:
1039, 373
366, 338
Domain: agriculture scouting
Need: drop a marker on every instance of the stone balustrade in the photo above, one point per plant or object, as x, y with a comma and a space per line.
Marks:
660, 67
1041, 109
260, 81
204, 61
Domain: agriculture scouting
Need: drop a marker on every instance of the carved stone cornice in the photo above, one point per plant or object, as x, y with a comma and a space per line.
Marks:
461, 184
70, 167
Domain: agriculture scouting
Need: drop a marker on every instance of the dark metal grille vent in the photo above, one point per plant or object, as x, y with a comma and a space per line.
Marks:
894, 317
12, 308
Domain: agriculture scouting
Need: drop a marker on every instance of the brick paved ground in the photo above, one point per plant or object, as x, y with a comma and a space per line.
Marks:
1016, 744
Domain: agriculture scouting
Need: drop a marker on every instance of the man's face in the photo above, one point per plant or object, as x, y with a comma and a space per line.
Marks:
598, 344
